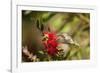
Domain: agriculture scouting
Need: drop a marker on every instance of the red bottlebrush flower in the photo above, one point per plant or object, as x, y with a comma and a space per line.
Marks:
51, 43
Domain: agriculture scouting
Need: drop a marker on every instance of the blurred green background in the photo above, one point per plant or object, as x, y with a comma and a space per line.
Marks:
77, 25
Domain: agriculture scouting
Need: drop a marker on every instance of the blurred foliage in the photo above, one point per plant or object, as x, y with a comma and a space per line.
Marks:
77, 25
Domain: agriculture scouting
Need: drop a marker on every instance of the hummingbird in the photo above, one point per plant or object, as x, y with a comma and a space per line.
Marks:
59, 44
